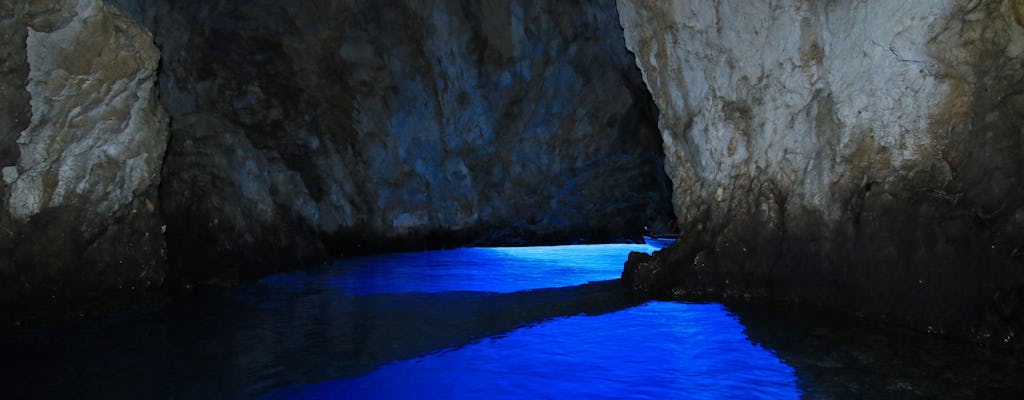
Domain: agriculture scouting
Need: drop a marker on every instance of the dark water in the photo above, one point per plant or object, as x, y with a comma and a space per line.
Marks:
486, 323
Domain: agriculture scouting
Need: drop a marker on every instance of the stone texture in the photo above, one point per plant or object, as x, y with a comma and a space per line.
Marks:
82, 137
302, 129
285, 132
865, 155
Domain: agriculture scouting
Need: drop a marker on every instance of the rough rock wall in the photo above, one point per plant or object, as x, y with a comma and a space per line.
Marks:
305, 128
864, 155
82, 138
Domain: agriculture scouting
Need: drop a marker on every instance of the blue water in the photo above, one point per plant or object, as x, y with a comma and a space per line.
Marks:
653, 351
495, 269
488, 323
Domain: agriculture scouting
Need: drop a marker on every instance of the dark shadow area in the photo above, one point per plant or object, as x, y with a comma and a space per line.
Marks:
839, 357
267, 336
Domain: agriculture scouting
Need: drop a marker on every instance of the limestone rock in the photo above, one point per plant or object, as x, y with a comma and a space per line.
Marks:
81, 174
97, 131
862, 155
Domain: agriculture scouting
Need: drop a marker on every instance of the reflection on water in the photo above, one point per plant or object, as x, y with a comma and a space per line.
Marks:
480, 323
657, 350
307, 327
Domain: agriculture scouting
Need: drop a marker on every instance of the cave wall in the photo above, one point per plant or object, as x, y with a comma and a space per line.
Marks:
301, 129
82, 138
865, 155
152, 144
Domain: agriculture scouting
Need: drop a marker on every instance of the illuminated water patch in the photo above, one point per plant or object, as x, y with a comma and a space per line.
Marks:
546, 322
468, 323
497, 269
656, 351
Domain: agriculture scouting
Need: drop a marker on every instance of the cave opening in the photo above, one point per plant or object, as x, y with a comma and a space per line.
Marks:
397, 128
394, 199
155, 148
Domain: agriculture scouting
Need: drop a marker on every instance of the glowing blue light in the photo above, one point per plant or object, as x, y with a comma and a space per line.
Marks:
499, 269
658, 350
655, 350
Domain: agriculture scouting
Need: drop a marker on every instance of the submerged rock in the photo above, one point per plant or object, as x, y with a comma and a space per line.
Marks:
864, 156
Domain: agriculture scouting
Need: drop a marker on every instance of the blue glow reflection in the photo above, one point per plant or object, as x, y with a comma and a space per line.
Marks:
657, 350
482, 323
497, 269
468, 323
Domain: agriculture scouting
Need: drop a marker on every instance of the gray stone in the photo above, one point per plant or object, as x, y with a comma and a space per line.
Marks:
10, 174
97, 133
862, 155
79, 215
285, 132
302, 129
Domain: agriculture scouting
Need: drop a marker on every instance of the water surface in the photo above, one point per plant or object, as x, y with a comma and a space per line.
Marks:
652, 351
545, 322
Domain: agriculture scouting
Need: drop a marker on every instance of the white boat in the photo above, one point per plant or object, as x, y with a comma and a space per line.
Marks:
660, 241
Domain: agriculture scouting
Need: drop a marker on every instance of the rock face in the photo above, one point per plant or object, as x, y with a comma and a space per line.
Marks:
82, 138
284, 132
301, 129
865, 156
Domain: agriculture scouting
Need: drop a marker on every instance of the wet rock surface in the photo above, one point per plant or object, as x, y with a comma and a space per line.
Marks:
862, 156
